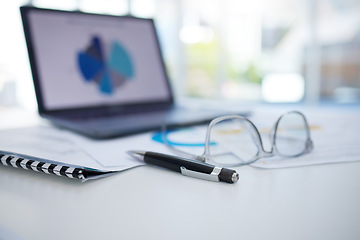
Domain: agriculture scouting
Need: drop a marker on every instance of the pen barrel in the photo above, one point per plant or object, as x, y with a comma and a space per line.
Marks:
174, 163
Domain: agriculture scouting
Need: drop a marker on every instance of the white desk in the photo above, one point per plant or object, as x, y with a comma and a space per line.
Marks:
313, 202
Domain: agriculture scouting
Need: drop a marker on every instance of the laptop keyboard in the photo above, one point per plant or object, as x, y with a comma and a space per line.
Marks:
96, 114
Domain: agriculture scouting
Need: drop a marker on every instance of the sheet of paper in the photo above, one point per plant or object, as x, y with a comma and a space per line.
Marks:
335, 133
63, 146
336, 138
43, 142
57, 145
112, 153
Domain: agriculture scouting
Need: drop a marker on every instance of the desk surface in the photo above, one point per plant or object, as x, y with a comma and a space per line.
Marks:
312, 202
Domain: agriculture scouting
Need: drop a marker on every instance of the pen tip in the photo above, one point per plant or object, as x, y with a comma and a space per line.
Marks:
137, 154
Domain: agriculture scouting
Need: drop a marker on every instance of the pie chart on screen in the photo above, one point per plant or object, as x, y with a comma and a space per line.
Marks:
109, 68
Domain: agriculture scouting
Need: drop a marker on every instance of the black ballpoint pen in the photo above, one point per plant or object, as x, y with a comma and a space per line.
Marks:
187, 167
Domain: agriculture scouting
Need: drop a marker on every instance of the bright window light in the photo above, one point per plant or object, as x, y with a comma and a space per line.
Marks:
283, 87
196, 34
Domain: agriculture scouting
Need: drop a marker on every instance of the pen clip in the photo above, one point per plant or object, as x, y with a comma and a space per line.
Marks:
213, 176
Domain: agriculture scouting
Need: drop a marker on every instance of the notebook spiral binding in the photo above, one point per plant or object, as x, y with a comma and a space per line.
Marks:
38, 166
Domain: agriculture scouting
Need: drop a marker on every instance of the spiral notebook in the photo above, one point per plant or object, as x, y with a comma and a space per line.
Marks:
62, 153
50, 167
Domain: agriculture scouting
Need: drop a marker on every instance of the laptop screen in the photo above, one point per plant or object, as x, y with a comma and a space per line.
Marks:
84, 60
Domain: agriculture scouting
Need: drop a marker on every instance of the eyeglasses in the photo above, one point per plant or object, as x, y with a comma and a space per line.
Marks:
234, 140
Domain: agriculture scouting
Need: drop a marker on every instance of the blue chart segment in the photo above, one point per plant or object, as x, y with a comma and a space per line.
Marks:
108, 68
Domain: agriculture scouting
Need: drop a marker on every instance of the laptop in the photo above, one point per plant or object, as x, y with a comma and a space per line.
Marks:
101, 75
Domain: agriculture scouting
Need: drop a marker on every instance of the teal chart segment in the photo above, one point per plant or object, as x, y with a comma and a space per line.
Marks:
107, 68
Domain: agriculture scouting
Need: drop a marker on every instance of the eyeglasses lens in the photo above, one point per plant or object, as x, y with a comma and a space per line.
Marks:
291, 135
232, 142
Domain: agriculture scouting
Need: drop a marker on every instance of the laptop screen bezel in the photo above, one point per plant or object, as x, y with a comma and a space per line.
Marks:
119, 107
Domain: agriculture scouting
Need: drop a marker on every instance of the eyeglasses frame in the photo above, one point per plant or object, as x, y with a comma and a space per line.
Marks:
206, 156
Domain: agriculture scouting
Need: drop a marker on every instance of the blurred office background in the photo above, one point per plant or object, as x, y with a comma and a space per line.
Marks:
305, 51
